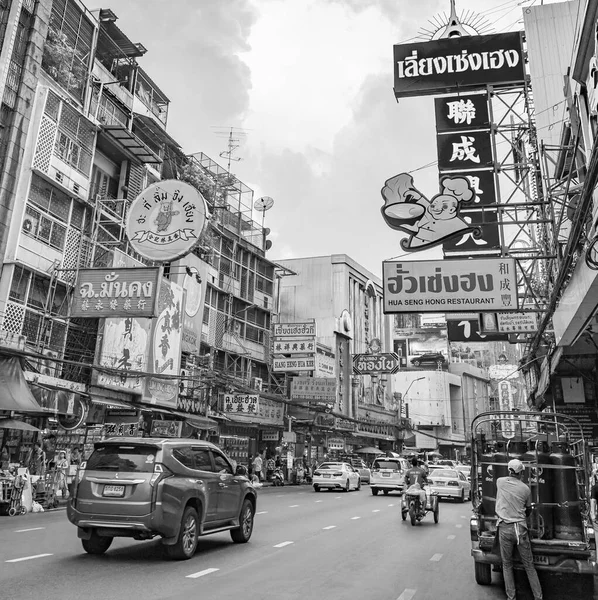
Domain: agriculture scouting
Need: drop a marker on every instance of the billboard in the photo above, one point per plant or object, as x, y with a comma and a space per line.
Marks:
475, 284
452, 65
106, 293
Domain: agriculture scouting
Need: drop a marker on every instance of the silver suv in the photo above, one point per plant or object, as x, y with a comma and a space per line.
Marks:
388, 475
146, 487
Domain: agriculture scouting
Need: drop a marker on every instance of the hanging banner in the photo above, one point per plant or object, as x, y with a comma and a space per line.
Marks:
488, 240
464, 151
461, 113
456, 64
476, 284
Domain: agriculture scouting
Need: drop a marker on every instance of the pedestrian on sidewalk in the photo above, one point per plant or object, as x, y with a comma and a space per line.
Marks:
513, 506
36, 460
257, 466
62, 467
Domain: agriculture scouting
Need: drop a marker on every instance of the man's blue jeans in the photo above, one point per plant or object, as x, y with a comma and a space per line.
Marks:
509, 536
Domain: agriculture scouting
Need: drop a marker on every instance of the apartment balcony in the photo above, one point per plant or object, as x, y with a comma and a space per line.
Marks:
107, 80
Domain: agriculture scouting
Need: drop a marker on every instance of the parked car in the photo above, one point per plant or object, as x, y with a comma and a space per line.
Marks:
388, 475
364, 471
429, 358
449, 483
336, 475
147, 487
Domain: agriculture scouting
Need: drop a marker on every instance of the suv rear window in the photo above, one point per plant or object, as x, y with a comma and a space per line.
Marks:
387, 464
123, 458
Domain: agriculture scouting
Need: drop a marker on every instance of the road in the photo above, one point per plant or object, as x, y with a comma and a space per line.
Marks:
305, 545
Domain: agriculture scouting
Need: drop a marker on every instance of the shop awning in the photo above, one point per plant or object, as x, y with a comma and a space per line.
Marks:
111, 403
374, 436
131, 143
15, 394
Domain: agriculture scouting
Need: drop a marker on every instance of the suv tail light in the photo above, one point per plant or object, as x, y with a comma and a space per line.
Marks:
78, 479
160, 472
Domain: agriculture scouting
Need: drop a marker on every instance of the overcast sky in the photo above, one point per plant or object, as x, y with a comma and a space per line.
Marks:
311, 83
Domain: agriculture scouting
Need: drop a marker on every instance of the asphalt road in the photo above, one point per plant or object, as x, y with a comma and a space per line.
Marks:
304, 545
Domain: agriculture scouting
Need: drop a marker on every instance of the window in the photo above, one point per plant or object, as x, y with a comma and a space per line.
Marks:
202, 459
124, 459
184, 456
45, 230
221, 464
32, 290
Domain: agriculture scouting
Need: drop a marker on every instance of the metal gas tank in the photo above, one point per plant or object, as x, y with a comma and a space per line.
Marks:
538, 475
567, 519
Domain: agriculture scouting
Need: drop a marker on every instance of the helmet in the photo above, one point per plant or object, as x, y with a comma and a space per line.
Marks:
515, 465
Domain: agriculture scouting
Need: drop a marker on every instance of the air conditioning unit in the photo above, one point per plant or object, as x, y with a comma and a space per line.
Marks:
48, 366
30, 224
257, 383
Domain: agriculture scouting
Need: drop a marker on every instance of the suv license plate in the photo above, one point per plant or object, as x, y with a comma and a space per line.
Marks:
385, 474
540, 560
115, 491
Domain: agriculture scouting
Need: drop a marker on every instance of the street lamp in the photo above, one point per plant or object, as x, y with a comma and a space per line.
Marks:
404, 396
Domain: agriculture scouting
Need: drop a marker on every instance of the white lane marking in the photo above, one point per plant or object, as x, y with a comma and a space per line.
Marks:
329, 527
14, 560
353, 518
337, 497
319, 501
282, 544
464, 516
458, 525
391, 505
262, 512
407, 594
293, 506
451, 537
30, 529
376, 510
201, 573
436, 557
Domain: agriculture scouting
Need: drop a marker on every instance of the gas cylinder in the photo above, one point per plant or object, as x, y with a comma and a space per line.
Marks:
538, 475
567, 520
516, 450
486, 474
500, 458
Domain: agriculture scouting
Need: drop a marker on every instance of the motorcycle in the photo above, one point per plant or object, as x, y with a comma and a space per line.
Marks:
277, 477
412, 505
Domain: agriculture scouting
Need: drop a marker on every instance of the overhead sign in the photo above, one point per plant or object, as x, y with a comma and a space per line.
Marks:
464, 150
325, 362
460, 113
503, 371
386, 362
293, 364
290, 330
484, 186
165, 221
313, 389
241, 403
106, 293
469, 331
475, 284
484, 237
290, 345
517, 322
458, 64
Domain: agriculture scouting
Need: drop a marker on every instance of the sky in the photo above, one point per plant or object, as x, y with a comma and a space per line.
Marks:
308, 87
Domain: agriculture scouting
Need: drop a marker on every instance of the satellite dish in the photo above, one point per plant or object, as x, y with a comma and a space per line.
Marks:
263, 204
268, 244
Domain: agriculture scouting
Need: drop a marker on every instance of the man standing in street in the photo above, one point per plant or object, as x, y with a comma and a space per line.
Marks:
513, 506
257, 466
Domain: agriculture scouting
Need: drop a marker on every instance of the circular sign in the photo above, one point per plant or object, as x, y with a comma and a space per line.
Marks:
164, 222
76, 413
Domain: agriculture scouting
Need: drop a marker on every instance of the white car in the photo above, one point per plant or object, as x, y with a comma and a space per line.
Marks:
388, 475
466, 470
449, 483
336, 475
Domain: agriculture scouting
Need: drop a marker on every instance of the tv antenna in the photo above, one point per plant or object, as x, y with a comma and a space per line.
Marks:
234, 135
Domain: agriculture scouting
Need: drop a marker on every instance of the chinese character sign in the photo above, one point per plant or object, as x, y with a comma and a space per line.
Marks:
247, 404
289, 345
464, 150
428, 221
460, 113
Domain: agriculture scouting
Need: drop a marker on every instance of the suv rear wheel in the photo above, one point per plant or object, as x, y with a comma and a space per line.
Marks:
96, 544
241, 534
374, 491
186, 544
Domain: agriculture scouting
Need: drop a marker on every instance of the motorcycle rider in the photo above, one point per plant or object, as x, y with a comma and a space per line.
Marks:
416, 476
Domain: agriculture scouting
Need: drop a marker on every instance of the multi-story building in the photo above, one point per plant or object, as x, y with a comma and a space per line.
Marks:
83, 133
344, 300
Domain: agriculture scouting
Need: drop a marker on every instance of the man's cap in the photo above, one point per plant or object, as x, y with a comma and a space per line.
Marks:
515, 465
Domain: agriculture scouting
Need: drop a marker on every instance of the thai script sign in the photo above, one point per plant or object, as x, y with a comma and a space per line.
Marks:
325, 362
293, 364
105, 293
457, 64
503, 371
487, 284
313, 389
462, 113
166, 428
289, 330
165, 221
387, 362
517, 322
345, 424
289, 345
241, 403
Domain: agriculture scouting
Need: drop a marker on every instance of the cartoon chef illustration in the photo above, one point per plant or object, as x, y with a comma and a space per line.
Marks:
164, 218
430, 222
